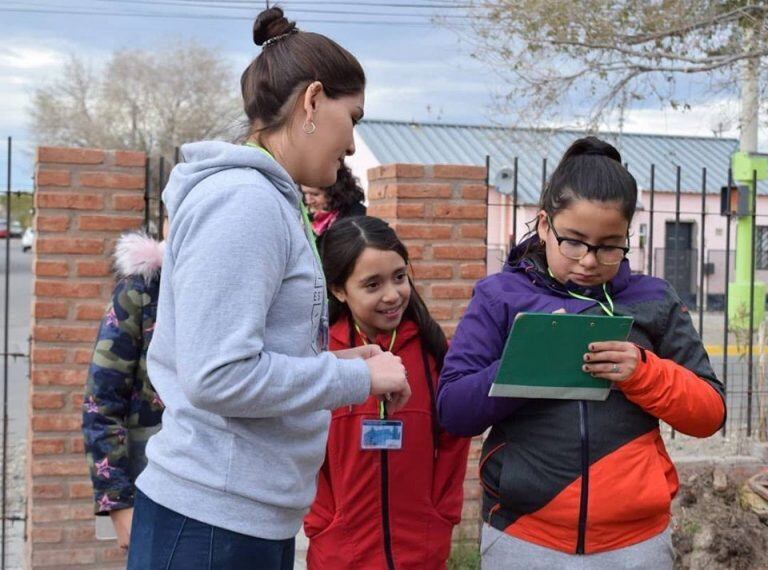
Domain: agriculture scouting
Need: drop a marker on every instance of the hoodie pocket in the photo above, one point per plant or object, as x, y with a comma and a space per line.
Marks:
274, 461
439, 533
316, 530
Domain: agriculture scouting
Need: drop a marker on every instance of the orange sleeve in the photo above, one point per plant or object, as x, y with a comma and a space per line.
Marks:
675, 395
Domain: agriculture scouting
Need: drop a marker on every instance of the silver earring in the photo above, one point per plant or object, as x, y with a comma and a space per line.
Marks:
309, 127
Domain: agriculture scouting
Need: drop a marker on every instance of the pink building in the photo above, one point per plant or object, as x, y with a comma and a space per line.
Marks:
672, 245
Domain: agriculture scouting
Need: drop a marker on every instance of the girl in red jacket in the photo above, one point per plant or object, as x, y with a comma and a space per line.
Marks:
390, 490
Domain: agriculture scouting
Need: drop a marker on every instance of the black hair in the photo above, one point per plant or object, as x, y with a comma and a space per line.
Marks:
345, 241
343, 194
590, 169
289, 61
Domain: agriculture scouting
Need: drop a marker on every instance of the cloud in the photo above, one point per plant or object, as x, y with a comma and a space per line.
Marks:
25, 64
27, 57
426, 89
22, 67
719, 117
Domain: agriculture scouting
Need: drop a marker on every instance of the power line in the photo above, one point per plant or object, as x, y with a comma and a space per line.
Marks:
208, 4
167, 15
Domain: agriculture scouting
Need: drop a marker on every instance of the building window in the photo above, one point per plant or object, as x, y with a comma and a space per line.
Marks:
762, 247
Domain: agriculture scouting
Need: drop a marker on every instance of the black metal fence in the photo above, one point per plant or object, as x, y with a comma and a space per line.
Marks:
6, 351
156, 169
696, 254
13, 528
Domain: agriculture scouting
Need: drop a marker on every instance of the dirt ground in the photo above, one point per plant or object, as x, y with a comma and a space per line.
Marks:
711, 530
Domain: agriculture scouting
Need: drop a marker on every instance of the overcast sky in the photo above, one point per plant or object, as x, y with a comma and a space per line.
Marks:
416, 70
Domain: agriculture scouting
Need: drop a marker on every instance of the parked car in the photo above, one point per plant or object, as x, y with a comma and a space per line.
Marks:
16, 229
27, 239
3, 229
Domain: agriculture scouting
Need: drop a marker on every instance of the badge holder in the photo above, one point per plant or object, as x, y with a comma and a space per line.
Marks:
381, 434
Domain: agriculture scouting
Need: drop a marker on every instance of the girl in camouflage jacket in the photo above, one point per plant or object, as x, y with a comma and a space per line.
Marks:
121, 408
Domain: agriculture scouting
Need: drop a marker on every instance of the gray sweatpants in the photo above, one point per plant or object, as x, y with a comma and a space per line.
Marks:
500, 551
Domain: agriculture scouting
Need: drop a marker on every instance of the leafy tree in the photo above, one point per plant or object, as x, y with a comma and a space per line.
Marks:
601, 56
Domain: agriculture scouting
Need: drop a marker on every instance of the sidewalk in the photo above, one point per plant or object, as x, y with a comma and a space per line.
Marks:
714, 327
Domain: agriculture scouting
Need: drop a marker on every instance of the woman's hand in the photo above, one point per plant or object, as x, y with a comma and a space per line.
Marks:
614, 361
365, 352
388, 380
121, 519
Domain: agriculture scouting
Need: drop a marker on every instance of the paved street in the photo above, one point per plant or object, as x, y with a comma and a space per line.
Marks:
19, 317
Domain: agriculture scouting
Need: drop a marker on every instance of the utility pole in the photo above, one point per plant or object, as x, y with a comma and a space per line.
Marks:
748, 168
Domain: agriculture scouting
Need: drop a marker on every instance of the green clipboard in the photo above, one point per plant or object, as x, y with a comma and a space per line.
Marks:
544, 354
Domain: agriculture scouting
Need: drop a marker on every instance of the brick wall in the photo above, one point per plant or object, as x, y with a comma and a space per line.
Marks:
440, 213
84, 199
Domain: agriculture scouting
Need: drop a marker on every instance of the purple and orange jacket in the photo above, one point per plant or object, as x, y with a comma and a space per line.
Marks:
579, 476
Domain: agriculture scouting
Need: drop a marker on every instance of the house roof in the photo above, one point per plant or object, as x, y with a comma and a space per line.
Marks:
435, 143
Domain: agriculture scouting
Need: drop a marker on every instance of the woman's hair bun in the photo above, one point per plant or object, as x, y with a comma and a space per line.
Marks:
592, 146
270, 24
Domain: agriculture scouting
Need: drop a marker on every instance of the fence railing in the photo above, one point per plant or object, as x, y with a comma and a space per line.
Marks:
157, 170
15, 354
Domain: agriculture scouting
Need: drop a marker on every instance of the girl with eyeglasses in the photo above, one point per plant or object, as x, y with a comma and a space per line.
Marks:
567, 483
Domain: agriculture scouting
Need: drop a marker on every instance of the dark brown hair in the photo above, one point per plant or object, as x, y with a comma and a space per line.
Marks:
343, 194
345, 241
289, 61
590, 169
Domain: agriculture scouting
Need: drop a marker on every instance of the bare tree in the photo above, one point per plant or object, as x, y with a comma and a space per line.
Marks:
594, 57
142, 100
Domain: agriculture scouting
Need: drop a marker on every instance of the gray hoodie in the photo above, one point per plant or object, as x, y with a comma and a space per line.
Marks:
238, 353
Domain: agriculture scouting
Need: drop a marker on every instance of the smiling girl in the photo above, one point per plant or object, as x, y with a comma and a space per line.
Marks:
390, 490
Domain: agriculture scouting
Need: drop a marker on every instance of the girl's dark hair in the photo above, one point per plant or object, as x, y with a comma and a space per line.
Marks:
345, 192
590, 169
289, 62
344, 243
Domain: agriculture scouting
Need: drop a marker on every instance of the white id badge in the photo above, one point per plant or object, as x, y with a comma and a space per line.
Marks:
381, 434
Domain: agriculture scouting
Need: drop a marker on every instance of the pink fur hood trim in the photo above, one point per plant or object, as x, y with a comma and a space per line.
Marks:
138, 254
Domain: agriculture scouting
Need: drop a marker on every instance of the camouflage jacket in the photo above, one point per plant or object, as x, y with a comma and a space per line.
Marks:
121, 409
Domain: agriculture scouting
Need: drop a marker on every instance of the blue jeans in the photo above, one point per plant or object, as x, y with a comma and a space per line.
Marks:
162, 539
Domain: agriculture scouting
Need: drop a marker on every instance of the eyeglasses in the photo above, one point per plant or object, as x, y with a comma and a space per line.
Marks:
577, 250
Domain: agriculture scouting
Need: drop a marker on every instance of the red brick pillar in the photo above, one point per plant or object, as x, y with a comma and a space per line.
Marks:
84, 199
440, 213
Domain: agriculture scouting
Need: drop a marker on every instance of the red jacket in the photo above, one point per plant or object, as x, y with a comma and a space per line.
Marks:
378, 509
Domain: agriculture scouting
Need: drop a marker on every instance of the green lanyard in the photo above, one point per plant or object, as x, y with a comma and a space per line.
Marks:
310, 232
608, 309
382, 409
304, 212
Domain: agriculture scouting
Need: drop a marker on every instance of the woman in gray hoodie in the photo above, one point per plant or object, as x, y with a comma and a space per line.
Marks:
239, 352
